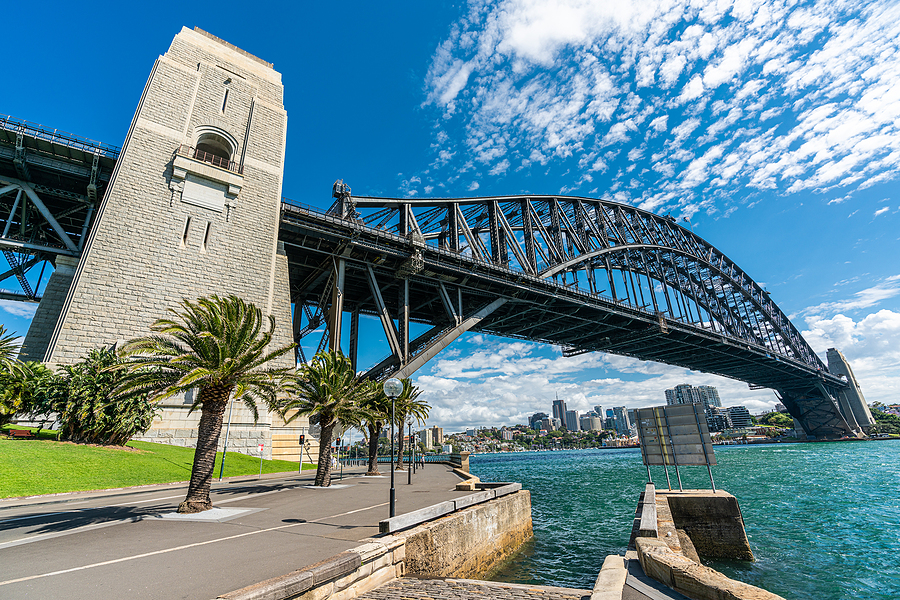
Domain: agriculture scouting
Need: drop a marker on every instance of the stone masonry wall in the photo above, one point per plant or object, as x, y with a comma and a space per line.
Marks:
146, 251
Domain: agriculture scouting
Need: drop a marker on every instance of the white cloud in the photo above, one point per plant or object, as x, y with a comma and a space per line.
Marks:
871, 345
498, 382
865, 298
24, 310
881, 211
805, 95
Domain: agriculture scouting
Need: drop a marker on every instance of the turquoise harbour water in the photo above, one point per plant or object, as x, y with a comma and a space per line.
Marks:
823, 519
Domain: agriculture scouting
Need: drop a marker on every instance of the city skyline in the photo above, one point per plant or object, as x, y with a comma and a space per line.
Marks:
772, 131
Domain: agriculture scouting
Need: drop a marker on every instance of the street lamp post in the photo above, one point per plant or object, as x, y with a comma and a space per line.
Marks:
392, 388
412, 453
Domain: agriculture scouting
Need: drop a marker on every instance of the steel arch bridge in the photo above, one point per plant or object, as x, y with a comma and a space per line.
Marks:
584, 274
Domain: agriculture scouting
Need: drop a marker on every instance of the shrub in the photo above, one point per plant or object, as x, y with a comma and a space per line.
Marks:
89, 410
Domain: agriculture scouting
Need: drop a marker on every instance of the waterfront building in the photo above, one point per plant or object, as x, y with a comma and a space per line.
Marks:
717, 419
706, 395
682, 394
591, 422
740, 417
599, 410
549, 424
622, 423
709, 396
437, 435
559, 409
572, 420
426, 437
506, 435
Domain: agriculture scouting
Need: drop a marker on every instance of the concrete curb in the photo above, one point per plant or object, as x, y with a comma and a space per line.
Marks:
611, 579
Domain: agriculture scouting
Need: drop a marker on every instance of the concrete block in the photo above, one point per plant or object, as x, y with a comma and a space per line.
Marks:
475, 498
611, 579
507, 489
416, 517
713, 522
368, 551
334, 567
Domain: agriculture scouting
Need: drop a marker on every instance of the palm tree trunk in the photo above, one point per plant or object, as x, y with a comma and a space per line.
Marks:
374, 431
323, 471
214, 400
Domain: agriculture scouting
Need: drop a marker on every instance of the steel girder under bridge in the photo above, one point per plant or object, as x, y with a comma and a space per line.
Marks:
584, 274
50, 184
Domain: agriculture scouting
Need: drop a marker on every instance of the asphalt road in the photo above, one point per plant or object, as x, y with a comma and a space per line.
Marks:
131, 544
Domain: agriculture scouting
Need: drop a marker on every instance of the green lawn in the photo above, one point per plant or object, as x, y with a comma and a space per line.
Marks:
42, 466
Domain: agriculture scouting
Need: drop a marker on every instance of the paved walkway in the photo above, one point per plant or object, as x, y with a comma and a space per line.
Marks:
131, 544
409, 588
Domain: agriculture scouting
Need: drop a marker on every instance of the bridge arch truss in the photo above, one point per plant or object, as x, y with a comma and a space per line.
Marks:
584, 274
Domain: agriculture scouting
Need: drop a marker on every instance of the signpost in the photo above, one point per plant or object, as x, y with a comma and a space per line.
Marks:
675, 435
261, 446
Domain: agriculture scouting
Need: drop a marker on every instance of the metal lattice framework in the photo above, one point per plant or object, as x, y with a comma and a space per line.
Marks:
584, 274
50, 183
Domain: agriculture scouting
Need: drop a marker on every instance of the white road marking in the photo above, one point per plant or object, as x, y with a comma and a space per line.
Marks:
141, 501
186, 546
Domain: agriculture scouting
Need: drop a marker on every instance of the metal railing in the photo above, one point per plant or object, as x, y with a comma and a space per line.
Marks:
208, 157
428, 458
57, 136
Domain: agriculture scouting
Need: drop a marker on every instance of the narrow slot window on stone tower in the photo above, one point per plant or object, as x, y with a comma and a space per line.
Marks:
225, 101
187, 229
206, 235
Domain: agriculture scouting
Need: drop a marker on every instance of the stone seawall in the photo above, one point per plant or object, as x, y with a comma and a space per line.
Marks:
470, 542
464, 543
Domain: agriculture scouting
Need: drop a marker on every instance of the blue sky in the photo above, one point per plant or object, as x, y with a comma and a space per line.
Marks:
773, 126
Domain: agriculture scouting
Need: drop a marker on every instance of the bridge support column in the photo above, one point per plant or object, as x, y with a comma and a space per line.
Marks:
852, 399
335, 318
41, 330
403, 320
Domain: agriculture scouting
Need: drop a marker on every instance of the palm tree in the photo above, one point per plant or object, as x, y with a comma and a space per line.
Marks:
329, 392
9, 348
380, 407
408, 405
218, 346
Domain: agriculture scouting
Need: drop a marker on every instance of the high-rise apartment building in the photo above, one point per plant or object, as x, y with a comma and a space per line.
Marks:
437, 435
622, 423
682, 394
426, 438
709, 396
590, 422
572, 420
740, 417
685, 393
559, 409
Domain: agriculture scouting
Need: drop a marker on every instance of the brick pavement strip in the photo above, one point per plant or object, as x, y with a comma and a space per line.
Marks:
410, 588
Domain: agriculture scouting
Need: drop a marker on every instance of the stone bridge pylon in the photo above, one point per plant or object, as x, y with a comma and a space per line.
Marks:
191, 209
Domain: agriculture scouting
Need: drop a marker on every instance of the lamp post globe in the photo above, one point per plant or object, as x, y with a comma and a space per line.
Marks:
393, 387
